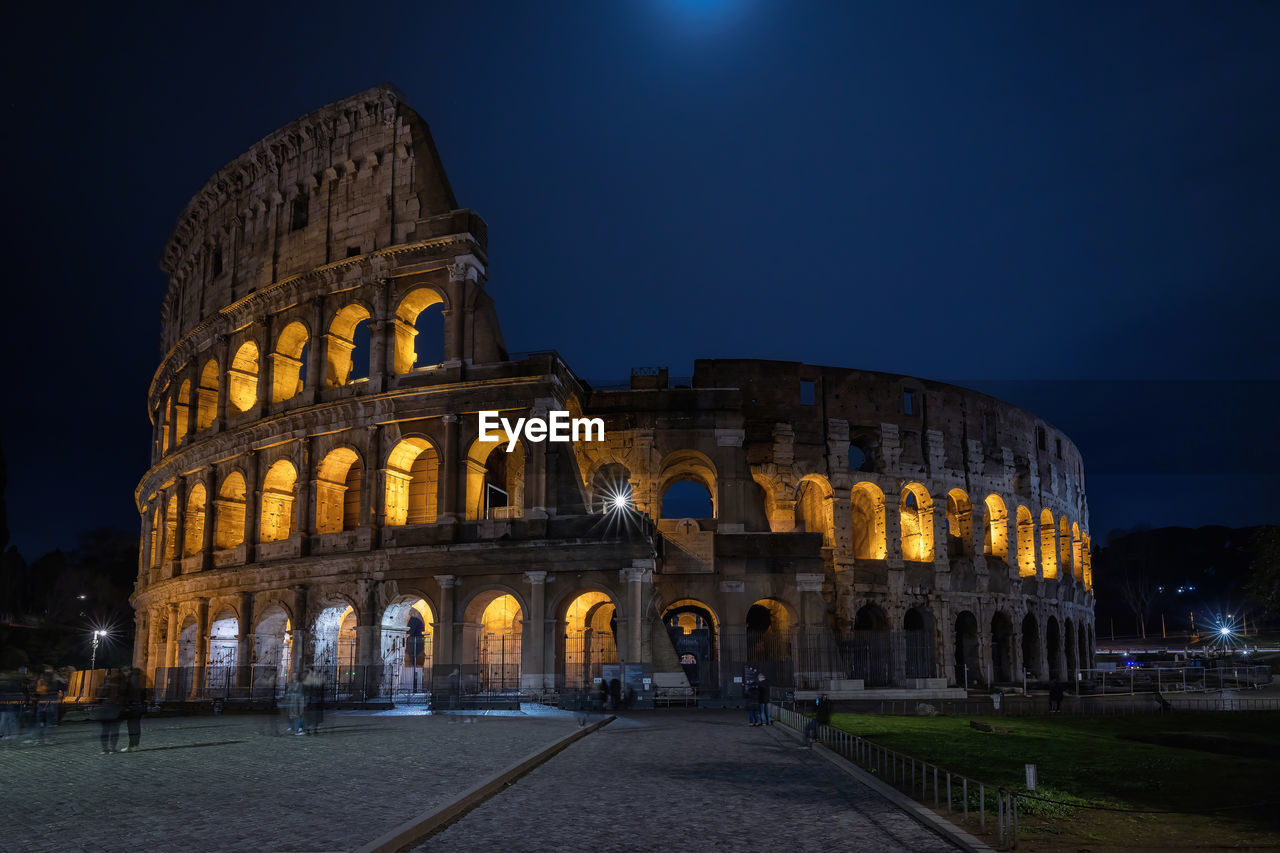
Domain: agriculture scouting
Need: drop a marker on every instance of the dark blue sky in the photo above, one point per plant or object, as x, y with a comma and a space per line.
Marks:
1040, 200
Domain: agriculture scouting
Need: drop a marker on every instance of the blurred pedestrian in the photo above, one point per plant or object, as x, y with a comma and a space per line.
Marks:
135, 705
110, 710
762, 695
821, 716
313, 713
294, 704
46, 701
1056, 691
10, 706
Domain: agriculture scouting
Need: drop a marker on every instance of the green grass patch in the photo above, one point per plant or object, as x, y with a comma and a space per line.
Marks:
1092, 759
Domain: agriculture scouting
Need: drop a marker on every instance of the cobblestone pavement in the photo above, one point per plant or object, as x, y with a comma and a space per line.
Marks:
700, 781
226, 784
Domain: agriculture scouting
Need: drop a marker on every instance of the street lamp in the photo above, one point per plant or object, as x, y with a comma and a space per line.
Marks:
93, 660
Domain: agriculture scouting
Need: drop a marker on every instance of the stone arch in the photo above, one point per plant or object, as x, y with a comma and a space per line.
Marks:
228, 531
918, 642
1002, 648
770, 625
492, 641
995, 541
869, 648
694, 631
187, 640
276, 520
407, 642
1026, 543
272, 647
687, 465
815, 503
959, 524
288, 367
417, 307
1048, 545
967, 659
157, 524
915, 509
867, 504
767, 486
193, 521
181, 413
1053, 647
413, 470
587, 637
1064, 547
1031, 646
341, 345
242, 378
338, 486
171, 528
224, 635
334, 635
1077, 555
207, 395
495, 483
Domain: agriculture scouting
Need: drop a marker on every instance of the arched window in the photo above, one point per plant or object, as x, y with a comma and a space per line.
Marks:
228, 531
193, 521
348, 346
171, 528
814, 508
419, 330
207, 396
959, 524
181, 412
1086, 557
338, 481
867, 503
411, 483
276, 522
157, 525
1077, 555
1026, 543
242, 378
495, 479
915, 510
687, 485
288, 365
1064, 546
995, 541
1048, 545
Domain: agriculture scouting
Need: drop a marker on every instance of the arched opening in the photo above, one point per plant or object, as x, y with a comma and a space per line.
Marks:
917, 626
589, 639
867, 503
915, 509
348, 347
171, 528
610, 488
276, 522
959, 524
814, 508
187, 642
1048, 545
272, 650
228, 531
491, 652
1002, 648
1077, 556
1026, 543
193, 521
242, 378
157, 524
412, 469
223, 638
968, 663
697, 500
181, 413
995, 540
288, 367
207, 396
335, 641
495, 479
693, 630
1053, 646
1031, 646
419, 330
862, 454
407, 644
1064, 547
868, 650
769, 629
338, 480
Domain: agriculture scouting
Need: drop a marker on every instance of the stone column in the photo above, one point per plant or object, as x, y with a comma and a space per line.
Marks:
635, 578
374, 501
193, 400
443, 654
171, 638
210, 502
448, 506
301, 632
893, 531
223, 350
455, 316
315, 356
202, 646
533, 674
812, 616
304, 496
141, 635
244, 642
535, 492
252, 503
262, 404
179, 526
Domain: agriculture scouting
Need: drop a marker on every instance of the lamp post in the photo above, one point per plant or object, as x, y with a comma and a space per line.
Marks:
93, 659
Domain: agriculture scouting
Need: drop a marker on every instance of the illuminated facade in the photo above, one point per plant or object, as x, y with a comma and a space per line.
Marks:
318, 496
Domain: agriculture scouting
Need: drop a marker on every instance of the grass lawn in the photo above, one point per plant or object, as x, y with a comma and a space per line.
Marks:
1096, 760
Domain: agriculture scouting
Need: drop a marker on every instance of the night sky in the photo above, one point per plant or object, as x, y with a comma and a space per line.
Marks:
1075, 207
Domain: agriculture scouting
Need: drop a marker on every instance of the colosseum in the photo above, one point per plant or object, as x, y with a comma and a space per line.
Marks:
320, 498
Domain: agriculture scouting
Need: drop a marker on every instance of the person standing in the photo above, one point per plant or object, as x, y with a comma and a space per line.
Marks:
821, 717
135, 705
762, 695
294, 704
110, 709
1056, 691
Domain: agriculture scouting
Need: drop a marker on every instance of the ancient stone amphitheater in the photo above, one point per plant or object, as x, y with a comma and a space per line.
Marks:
319, 498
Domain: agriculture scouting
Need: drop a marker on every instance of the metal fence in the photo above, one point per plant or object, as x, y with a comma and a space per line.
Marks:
924, 782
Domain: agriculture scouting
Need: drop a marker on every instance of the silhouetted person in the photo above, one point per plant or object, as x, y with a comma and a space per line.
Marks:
603, 696
615, 694
295, 703
135, 705
762, 694
313, 716
110, 708
1056, 691
821, 716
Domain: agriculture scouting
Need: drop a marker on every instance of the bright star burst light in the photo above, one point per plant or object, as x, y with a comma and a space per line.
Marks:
618, 517
1226, 632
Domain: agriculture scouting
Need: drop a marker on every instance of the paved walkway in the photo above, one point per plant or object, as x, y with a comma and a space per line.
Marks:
226, 784
700, 781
